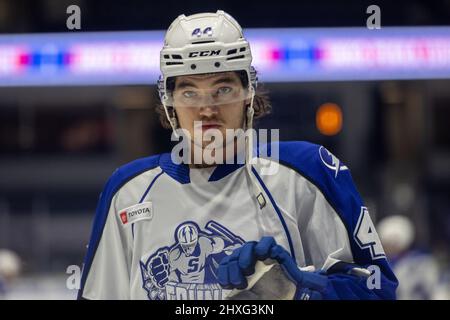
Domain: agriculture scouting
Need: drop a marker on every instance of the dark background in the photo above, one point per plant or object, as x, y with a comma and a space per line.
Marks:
102, 15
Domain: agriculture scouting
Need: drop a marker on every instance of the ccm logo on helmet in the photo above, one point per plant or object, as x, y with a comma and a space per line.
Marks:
206, 53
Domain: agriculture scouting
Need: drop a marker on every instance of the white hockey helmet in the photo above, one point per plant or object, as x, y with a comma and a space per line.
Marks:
203, 43
397, 230
187, 237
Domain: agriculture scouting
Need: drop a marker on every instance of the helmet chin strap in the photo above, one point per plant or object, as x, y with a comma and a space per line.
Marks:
172, 120
256, 189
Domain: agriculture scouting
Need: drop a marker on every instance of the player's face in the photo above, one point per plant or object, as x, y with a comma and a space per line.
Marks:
188, 249
217, 100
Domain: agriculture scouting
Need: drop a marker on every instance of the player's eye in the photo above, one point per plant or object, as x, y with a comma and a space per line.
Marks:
189, 94
223, 90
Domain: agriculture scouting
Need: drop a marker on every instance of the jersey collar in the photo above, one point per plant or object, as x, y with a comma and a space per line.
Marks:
180, 172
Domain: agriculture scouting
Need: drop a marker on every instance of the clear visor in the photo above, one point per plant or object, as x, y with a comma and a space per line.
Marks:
193, 97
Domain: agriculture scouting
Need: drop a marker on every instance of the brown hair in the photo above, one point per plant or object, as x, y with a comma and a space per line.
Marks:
261, 101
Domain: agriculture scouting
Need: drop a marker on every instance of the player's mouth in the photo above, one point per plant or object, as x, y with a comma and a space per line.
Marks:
210, 125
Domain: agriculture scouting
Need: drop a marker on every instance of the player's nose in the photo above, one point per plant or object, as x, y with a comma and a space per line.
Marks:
208, 111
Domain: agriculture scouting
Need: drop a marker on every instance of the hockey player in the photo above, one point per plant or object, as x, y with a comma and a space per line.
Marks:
224, 229
420, 275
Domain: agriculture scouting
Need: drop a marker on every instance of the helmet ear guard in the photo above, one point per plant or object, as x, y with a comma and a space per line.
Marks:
253, 77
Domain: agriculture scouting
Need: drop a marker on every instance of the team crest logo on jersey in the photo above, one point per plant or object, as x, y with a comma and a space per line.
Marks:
331, 161
187, 270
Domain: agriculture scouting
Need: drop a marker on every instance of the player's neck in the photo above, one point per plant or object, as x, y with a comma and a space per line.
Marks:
230, 155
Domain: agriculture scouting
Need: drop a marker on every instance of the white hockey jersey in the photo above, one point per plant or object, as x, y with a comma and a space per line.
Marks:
161, 228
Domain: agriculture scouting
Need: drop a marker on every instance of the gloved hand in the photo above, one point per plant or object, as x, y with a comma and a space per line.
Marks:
159, 268
234, 269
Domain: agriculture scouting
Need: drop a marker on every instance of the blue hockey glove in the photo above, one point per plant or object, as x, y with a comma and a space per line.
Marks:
235, 268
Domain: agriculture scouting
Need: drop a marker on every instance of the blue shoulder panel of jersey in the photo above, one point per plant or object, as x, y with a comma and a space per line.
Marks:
333, 179
328, 174
120, 176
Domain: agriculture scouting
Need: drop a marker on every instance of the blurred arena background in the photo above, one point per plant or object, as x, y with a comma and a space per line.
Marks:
74, 105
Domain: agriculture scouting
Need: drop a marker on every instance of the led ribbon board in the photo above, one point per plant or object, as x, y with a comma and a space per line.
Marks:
280, 55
